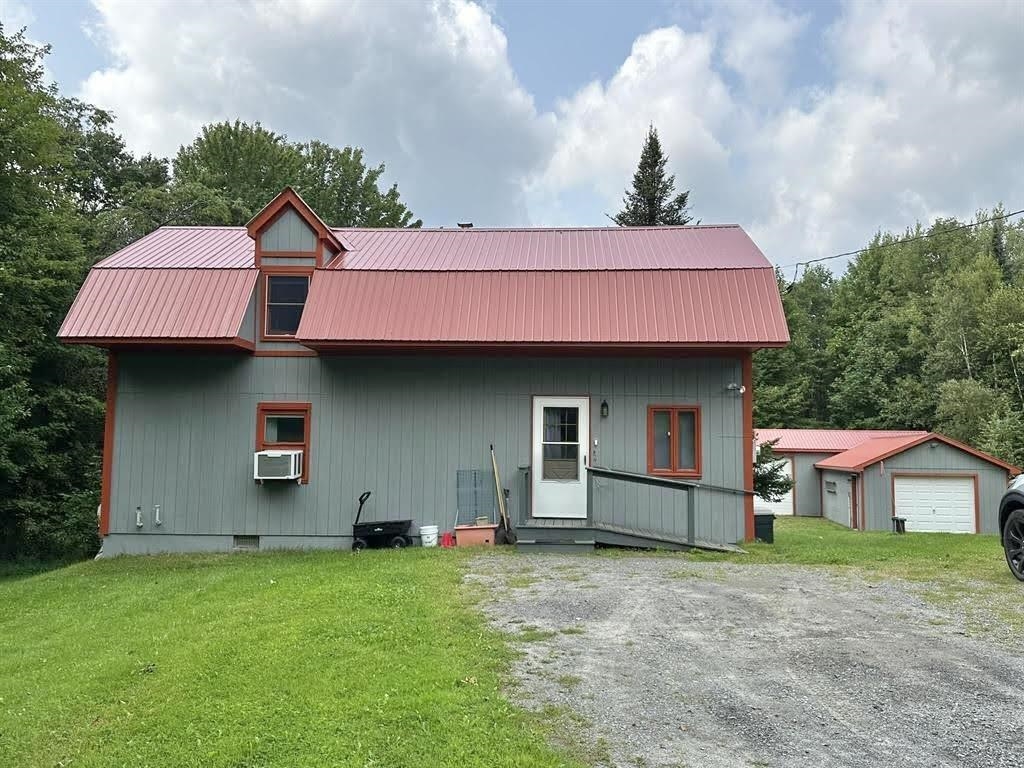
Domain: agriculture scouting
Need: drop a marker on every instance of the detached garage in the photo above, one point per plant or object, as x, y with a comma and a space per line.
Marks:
935, 483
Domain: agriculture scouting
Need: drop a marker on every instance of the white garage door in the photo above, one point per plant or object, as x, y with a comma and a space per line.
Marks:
943, 504
784, 507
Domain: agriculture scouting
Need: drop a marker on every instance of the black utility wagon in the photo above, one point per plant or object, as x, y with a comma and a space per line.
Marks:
379, 534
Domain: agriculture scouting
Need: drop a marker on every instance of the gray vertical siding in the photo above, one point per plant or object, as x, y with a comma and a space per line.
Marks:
807, 483
836, 506
288, 233
400, 427
925, 458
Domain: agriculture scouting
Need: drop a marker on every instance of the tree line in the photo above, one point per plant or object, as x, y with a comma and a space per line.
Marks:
924, 330
72, 193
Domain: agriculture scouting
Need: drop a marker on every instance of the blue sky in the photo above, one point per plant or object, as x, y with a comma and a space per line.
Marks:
811, 124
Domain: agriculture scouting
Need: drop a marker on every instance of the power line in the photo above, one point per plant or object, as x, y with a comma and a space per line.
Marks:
912, 239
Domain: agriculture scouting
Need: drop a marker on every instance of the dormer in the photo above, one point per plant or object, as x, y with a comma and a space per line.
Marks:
291, 242
287, 231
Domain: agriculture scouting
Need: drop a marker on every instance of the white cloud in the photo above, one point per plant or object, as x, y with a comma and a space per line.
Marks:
925, 118
15, 14
427, 88
916, 111
667, 80
758, 43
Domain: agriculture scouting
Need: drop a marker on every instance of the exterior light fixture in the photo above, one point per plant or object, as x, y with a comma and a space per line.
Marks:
734, 387
604, 409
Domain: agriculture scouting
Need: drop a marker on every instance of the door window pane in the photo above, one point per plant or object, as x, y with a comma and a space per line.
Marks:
687, 433
662, 440
561, 425
285, 429
561, 462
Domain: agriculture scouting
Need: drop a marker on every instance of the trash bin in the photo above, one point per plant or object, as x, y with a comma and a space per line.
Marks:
899, 524
764, 527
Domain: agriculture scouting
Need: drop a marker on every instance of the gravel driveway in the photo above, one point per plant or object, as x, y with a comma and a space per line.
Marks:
655, 661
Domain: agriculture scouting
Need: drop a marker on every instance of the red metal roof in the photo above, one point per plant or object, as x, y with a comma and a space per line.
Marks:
188, 305
618, 248
700, 307
826, 440
705, 285
187, 247
873, 451
638, 248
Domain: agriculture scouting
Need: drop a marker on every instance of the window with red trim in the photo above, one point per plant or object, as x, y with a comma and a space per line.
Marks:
287, 426
284, 299
673, 440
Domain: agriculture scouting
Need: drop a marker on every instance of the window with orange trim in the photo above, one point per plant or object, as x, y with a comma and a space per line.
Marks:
673, 440
287, 426
284, 298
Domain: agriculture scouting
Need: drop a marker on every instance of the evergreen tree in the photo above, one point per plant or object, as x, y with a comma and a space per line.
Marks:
652, 200
770, 480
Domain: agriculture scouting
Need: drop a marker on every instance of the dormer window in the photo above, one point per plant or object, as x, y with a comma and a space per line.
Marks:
286, 297
291, 243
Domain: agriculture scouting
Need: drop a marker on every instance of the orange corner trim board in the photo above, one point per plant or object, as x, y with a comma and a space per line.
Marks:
106, 482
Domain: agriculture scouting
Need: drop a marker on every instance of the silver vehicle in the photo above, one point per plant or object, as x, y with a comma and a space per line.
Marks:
1011, 524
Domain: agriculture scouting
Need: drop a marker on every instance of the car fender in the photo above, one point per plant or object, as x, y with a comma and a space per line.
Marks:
1012, 499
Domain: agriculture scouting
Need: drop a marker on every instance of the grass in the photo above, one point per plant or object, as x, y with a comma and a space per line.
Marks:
915, 556
531, 634
257, 660
569, 681
967, 572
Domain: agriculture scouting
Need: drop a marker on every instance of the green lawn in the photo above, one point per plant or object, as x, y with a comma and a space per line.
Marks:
313, 659
256, 660
966, 572
915, 556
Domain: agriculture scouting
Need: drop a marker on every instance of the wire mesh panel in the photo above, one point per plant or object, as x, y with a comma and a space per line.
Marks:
475, 497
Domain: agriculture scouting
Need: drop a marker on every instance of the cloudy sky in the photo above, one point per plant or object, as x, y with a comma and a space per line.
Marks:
811, 124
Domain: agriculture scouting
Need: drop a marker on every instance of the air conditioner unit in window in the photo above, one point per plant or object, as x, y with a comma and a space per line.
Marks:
277, 465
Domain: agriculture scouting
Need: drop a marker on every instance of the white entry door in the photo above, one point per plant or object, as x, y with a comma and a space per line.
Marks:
935, 503
561, 434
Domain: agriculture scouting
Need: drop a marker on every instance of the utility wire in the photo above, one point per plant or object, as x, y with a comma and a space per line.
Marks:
912, 239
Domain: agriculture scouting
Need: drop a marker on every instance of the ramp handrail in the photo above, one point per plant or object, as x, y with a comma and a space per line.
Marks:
688, 486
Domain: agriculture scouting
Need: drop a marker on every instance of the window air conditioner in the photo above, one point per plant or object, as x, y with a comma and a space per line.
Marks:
277, 465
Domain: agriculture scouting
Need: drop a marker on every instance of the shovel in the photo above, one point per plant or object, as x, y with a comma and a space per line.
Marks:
504, 534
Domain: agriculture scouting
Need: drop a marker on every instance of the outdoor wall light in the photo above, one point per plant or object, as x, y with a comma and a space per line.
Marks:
734, 387
604, 409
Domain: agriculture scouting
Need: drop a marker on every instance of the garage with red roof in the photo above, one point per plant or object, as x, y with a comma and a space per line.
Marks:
927, 482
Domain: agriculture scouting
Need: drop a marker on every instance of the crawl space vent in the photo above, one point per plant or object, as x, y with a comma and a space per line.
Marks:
247, 542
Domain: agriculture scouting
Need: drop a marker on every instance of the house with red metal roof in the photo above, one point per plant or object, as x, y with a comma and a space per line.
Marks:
863, 478
261, 378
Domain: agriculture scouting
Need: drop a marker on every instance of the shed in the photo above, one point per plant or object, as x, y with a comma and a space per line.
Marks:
934, 482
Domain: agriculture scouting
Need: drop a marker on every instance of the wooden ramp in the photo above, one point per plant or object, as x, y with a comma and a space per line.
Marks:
579, 538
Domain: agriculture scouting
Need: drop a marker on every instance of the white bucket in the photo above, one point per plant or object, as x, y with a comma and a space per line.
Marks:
428, 535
